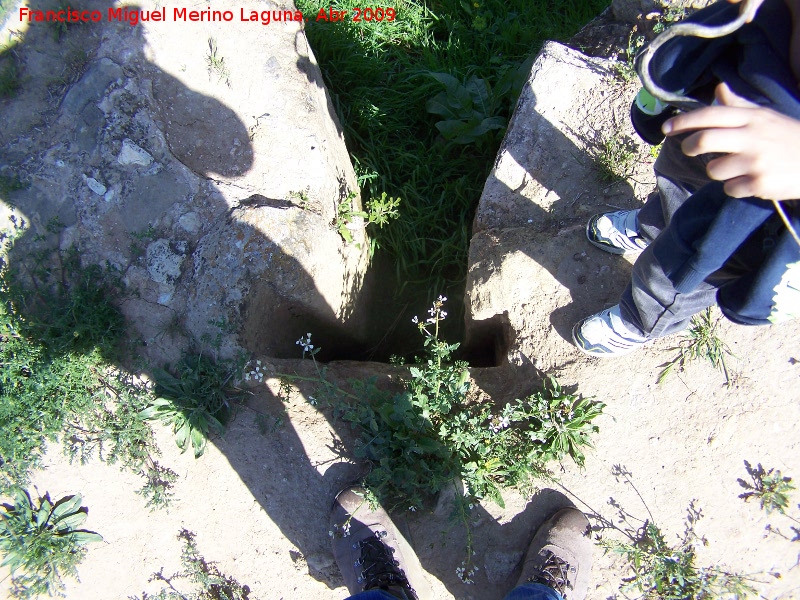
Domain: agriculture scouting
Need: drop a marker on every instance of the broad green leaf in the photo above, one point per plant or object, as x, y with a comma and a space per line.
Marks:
71, 521
198, 442
182, 435
67, 506
85, 537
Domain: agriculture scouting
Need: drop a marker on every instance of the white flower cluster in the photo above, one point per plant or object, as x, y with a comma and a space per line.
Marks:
256, 374
305, 342
435, 311
466, 575
499, 423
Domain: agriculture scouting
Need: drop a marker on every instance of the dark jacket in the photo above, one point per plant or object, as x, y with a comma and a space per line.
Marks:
710, 229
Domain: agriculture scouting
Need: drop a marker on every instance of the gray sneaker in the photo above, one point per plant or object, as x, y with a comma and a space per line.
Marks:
605, 335
560, 555
616, 232
371, 552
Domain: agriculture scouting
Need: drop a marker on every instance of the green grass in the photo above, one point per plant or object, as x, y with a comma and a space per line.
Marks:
380, 77
10, 80
61, 335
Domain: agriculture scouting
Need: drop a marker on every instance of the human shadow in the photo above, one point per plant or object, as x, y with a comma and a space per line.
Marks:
127, 164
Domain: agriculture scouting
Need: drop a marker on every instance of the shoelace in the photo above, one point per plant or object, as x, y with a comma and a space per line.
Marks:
380, 569
554, 573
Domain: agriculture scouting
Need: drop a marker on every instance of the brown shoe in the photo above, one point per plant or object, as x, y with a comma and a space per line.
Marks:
371, 552
560, 555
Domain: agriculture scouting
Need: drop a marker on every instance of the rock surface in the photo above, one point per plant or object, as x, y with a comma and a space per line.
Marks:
207, 176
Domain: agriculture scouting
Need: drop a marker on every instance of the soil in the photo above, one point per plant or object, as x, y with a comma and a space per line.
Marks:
258, 499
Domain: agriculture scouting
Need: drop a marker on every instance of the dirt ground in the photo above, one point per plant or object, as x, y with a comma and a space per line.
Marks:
258, 499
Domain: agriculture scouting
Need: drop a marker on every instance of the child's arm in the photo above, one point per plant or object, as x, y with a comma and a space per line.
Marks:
761, 146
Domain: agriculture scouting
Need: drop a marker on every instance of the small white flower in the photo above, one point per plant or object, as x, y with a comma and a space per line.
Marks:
471, 506
412, 508
258, 362
415, 320
330, 533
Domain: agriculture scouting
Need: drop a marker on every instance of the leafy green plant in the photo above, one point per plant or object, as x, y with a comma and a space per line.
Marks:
664, 571
10, 183
345, 215
468, 109
382, 210
197, 400
42, 542
672, 14
661, 571
302, 199
420, 439
626, 68
210, 583
700, 341
770, 487
60, 330
58, 327
116, 433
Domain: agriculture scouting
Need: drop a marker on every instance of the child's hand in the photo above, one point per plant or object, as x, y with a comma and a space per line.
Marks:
762, 146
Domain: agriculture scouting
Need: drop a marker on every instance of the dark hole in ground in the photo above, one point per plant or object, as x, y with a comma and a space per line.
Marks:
380, 327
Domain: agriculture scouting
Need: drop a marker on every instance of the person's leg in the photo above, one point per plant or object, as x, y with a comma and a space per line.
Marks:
533, 591
677, 177
373, 595
650, 307
631, 231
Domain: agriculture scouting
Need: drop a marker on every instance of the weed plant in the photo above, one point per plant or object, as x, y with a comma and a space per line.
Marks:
60, 331
770, 488
10, 78
387, 80
660, 570
196, 400
216, 63
423, 438
614, 157
663, 571
42, 542
56, 331
700, 341
210, 583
